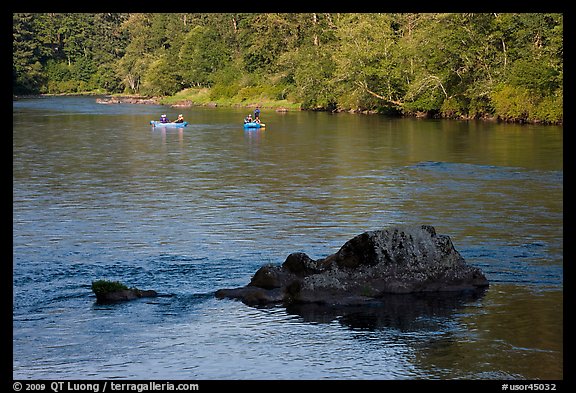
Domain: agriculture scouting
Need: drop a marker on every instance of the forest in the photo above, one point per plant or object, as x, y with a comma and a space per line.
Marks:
506, 66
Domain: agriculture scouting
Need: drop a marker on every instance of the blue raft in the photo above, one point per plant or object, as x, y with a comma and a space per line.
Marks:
156, 123
254, 125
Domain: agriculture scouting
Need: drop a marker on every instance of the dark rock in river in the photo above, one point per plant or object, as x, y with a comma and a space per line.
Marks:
396, 260
124, 294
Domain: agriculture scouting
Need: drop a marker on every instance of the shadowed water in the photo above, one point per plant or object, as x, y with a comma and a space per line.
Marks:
99, 194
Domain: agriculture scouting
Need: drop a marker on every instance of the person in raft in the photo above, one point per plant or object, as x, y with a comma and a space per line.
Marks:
248, 119
180, 119
164, 119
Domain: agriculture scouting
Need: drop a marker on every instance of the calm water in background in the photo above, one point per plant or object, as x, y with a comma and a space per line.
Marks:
99, 194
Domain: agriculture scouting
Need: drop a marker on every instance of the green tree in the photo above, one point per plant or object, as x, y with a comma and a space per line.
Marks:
160, 78
532, 85
265, 37
108, 47
133, 64
202, 54
365, 61
27, 77
310, 71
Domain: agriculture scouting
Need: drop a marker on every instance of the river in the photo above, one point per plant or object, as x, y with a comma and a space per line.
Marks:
100, 194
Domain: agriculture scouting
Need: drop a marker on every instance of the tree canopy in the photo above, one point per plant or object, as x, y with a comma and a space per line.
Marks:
470, 65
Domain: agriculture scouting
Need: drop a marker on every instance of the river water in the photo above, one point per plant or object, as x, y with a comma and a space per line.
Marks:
99, 194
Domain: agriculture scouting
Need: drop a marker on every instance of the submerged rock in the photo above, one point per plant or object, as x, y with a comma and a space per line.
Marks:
396, 260
124, 294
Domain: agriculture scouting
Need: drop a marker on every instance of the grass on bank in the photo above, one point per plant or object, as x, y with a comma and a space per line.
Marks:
206, 97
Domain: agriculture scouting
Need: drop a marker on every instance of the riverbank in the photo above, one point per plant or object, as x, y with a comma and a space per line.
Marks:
203, 97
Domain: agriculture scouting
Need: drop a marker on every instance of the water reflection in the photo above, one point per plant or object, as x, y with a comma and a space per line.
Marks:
253, 139
406, 312
166, 132
503, 337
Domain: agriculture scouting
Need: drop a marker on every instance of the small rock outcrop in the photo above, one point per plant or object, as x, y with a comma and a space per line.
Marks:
114, 291
127, 100
396, 260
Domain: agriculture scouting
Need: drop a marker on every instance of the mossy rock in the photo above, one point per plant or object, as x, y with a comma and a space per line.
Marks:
105, 286
114, 291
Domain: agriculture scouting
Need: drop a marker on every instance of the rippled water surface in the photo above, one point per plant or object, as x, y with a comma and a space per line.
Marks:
99, 194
